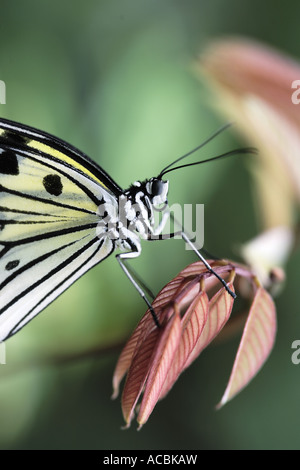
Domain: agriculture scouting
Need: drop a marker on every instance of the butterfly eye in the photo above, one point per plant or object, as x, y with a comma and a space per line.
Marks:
157, 187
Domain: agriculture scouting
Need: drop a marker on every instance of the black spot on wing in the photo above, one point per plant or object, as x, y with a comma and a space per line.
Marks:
12, 264
53, 184
9, 164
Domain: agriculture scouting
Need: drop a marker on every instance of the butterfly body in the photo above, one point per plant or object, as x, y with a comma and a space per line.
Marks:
60, 214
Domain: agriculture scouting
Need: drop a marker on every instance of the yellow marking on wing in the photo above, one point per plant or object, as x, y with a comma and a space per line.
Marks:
57, 154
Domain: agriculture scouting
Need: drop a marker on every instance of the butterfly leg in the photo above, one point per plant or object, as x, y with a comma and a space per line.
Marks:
162, 224
187, 240
140, 282
122, 257
185, 237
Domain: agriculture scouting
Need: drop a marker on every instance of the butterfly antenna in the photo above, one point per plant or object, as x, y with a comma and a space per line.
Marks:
215, 134
218, 157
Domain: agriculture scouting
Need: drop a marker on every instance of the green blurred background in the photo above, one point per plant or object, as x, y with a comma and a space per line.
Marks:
115, 78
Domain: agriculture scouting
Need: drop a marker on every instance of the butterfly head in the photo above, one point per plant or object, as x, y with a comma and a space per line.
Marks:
157, 191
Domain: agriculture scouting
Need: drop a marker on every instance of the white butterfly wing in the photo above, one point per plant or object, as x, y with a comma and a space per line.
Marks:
49, 200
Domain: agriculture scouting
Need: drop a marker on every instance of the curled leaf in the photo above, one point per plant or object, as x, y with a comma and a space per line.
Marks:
255, 86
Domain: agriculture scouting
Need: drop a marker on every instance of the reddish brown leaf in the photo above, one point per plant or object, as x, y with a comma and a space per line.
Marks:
126, 356
160, 364
255, 346
192, 325
137, 375
143, 328
219, 311
155, 356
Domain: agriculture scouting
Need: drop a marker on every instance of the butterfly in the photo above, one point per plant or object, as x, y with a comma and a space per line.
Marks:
61, 214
